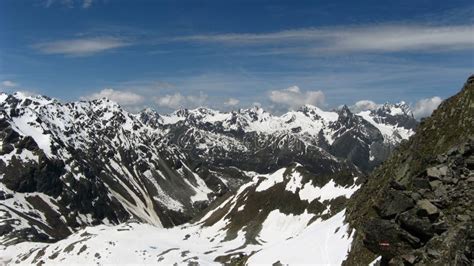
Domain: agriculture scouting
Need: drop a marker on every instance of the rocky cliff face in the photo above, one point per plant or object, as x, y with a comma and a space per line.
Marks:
417, 208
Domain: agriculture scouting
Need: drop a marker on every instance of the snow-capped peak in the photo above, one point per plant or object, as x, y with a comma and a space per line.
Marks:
317, 113
400, 108
26, 99
394, 121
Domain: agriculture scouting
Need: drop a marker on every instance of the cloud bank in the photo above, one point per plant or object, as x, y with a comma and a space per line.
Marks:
293, 97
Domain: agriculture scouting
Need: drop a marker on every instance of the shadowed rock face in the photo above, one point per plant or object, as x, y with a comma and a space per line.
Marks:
417, 208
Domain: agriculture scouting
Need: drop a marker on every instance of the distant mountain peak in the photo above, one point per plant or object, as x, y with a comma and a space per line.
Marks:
394, 109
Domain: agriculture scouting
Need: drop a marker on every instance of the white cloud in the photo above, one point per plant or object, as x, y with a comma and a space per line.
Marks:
364, 105
87, 3
171, 100
26, 93
65, 3
425, 107
231, 102
294, 89
9, 83
69, 3
81, 46
293, 97
368, 38
177, 100
127, 98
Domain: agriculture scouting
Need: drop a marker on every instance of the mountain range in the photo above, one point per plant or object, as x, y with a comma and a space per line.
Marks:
90, 182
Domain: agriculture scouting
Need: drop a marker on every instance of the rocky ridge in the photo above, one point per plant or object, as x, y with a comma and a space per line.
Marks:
417, 207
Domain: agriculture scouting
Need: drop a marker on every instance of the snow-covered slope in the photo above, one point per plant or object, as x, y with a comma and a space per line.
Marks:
274, 218
86, 163
394, 121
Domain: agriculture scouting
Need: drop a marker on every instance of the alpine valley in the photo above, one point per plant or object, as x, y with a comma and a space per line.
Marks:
88, 182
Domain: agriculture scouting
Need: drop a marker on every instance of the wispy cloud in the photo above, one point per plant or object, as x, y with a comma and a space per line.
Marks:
81, 46
369, 38
126, 98
9, 84
87, 3
66, 3
231, 102
177, 100
69, 3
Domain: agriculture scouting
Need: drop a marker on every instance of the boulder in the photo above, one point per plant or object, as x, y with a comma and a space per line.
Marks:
409, 259
470, 162
442, 158
386, 238
393, 203
397, 185
420, 227
440, 227
441, 193
463, 217
421, 183
435, 184
433, 253
437, 171
427, 209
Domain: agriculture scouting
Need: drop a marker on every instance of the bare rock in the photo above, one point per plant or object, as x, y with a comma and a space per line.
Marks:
420, 227
386, 238
426, 208
437, 171
393, 203
435, 184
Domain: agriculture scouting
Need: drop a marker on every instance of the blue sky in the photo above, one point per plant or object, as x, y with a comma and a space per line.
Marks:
232, 54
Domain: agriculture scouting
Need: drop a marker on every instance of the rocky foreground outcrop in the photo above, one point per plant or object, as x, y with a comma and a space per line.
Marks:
431, 220
417, 208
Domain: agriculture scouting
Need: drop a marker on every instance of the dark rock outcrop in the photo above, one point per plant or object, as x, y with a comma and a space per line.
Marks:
433, 169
